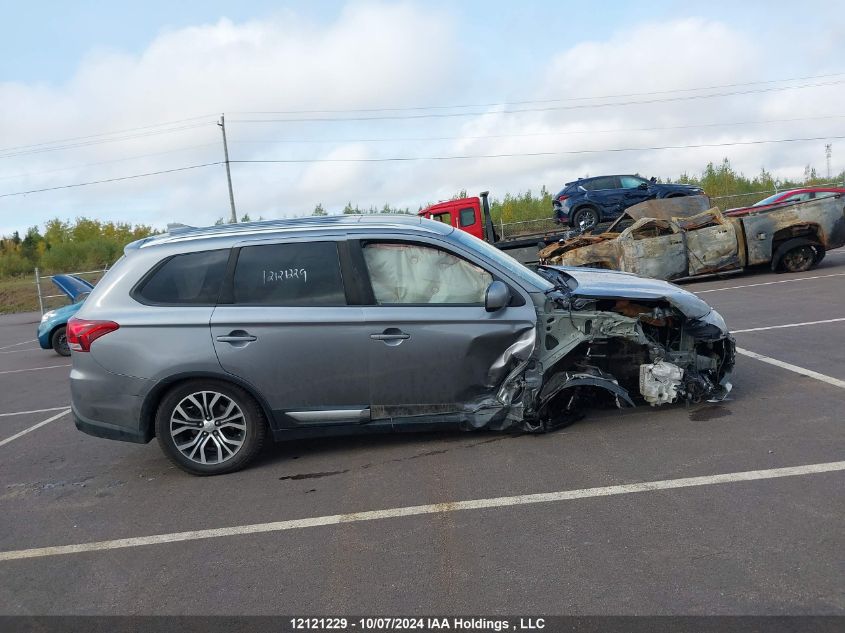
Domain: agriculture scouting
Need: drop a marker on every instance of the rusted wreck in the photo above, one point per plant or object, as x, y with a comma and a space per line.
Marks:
680, 238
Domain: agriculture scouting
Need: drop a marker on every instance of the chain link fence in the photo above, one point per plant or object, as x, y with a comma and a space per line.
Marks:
528, 227
740, 199
48, 301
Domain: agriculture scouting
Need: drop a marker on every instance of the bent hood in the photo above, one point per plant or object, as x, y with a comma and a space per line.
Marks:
72, 286
596, 283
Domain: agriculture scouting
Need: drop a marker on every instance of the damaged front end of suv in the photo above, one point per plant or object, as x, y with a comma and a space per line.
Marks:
614, 338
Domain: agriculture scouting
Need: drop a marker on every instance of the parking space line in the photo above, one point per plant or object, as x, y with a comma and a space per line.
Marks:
33, 427
19, 351
4, 415
435, 508
769, 283
16, 344
778, 327
17, 371
809, 373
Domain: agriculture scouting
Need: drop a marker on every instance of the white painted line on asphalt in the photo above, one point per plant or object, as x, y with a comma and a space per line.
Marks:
769, 283
19, 351
778, 327
17, 371
32, 340
809, 373
435, 508
32, 428
4, 415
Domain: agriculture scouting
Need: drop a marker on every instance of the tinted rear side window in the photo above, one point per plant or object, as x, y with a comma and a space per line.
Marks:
298, 274
189, 279
597, 184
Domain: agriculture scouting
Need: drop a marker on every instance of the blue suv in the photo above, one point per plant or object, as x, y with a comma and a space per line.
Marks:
585, 202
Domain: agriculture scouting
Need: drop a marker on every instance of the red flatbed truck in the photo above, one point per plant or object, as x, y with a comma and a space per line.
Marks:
473, 216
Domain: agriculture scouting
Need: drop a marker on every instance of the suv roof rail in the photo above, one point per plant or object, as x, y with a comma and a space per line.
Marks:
174, 228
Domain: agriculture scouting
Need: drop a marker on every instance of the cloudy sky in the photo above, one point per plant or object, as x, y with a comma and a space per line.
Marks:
93, 91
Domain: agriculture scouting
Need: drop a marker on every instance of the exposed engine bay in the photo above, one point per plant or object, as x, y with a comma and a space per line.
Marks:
627, 342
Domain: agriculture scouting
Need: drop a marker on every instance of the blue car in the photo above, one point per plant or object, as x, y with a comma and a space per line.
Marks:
51, 330
586, 202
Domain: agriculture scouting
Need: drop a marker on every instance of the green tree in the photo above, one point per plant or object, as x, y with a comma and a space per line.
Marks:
319, 210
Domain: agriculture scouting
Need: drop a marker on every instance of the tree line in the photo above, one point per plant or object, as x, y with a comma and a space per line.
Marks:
87, 244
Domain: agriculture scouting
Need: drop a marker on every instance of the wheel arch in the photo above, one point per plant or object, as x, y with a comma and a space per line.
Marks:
53, 331
157, 393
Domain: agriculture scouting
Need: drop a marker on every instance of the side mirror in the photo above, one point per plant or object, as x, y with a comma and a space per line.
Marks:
642, 185
498, 296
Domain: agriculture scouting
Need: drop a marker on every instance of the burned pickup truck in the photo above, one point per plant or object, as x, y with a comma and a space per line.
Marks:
679, 238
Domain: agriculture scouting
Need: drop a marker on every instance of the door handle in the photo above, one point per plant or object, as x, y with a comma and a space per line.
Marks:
391, 336
238, 336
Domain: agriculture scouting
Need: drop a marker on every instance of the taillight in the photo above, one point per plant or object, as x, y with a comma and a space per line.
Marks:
562, 197
81, 333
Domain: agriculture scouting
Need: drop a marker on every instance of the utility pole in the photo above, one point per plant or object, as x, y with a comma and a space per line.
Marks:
222, 125
828, 150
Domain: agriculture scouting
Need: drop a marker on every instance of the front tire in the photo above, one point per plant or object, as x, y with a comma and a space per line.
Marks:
210, 427
58, 341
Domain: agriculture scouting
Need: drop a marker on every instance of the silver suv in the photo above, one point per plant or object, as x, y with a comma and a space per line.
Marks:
212, 339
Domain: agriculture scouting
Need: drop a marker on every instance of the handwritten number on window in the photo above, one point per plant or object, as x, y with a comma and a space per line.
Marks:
285, 275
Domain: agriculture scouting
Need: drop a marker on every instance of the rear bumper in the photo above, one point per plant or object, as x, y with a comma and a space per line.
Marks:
105, 404
109, 431
561, 214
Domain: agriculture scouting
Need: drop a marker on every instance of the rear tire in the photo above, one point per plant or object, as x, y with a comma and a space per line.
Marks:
586, 219
799, 259
58, 341
210, 427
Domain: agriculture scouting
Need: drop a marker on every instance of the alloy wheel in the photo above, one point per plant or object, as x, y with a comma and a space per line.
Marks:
208, 427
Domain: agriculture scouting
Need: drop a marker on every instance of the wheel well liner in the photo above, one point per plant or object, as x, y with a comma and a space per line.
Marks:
797, 230
157, 393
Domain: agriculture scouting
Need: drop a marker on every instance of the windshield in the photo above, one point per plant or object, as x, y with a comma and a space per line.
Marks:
770, 199
502, 259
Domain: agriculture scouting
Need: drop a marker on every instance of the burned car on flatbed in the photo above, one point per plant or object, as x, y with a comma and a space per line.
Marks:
212, 339
681, 238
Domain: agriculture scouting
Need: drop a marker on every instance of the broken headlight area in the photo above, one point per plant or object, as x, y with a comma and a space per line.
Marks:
620, 352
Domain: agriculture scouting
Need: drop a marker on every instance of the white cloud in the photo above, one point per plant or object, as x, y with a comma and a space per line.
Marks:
390, 55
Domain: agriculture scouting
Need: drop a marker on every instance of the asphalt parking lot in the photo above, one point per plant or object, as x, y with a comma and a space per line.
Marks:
724, 543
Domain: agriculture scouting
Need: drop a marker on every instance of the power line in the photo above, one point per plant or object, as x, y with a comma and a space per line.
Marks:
536, 134
434, 158
19, 150
105, 140
559, 100
79, 138
531, 154
99, 182
444, 115
106, 162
